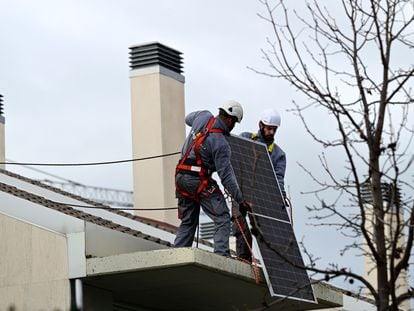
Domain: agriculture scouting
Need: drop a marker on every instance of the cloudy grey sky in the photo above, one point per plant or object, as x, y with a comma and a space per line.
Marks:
65, 83
64, 78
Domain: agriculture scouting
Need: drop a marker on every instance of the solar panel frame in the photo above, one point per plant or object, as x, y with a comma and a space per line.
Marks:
282, 261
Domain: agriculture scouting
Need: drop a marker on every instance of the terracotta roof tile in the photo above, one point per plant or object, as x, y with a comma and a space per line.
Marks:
67, 209
76, 213
152, 222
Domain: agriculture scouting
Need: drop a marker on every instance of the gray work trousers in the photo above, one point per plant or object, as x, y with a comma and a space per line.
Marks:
212, 203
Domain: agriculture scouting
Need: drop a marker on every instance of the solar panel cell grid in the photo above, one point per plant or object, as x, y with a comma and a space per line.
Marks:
281, 257
256, 178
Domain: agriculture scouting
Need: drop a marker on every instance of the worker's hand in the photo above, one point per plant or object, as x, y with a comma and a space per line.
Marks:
245, 207
287, 202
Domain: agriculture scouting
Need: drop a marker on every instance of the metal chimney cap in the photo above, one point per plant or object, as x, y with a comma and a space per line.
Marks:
154, 53
1, 105
151, 43
390, 194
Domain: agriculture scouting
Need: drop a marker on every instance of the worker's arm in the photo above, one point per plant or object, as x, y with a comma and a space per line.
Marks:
221, 154
279, 164
189, 119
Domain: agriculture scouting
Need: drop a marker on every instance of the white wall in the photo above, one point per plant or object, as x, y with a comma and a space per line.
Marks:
33, 267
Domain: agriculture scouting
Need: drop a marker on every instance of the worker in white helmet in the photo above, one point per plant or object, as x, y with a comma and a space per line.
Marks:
206, 151
268, 125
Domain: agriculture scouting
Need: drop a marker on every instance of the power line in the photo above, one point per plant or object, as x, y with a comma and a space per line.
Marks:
68, 181
108, 196
113, 208
90, 163
9, 161
28, 164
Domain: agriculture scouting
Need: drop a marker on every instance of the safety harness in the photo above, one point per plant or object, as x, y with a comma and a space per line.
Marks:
187, 166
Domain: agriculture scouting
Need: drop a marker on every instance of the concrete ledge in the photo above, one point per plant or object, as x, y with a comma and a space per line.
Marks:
191, 279
166, 258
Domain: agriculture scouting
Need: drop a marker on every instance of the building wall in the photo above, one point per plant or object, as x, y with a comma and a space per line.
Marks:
2, 143
33, 267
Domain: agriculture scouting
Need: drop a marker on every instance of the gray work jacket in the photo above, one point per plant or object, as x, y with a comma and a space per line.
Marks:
215, 150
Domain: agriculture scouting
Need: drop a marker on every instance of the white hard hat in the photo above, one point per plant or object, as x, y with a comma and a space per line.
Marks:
270, 117
234, 109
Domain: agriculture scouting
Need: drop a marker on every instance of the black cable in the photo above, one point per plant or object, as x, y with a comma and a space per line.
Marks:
90, 163
46, 173
71, 182
114, 208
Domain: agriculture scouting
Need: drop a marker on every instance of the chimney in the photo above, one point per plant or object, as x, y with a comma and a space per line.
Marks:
2, 144
157, 104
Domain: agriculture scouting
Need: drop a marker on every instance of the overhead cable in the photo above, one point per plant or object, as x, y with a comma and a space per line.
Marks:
90, 163
10, 161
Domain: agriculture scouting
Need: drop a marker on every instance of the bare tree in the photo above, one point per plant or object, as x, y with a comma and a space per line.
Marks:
354, 60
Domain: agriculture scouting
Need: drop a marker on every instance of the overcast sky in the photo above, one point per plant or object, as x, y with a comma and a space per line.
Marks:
64, 73
64, 78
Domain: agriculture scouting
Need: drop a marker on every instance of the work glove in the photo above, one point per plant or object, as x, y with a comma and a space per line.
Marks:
287, 202
245, 207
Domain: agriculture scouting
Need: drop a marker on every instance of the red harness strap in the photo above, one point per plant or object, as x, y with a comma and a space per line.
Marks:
202, 171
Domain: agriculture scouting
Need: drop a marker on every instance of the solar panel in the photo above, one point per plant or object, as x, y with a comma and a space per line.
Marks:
281, 257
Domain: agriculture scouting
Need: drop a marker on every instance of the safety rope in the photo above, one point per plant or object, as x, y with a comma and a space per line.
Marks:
291, 210
254, 264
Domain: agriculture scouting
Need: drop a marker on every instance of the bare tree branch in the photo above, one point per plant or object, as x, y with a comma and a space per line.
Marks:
353, 65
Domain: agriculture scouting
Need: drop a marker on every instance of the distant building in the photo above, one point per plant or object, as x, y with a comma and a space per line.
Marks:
391, 200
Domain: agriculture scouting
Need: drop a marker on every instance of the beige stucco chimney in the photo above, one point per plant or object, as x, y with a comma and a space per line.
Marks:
2, 143
157, 103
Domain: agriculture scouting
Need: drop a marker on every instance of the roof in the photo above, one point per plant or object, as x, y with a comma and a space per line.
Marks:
93, 212
76, 213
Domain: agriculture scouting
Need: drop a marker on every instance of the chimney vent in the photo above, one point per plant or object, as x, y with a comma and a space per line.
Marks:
389, 193
154, 53
1, 105
2, 146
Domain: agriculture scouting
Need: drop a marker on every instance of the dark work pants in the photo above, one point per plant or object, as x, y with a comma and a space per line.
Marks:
215, 207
